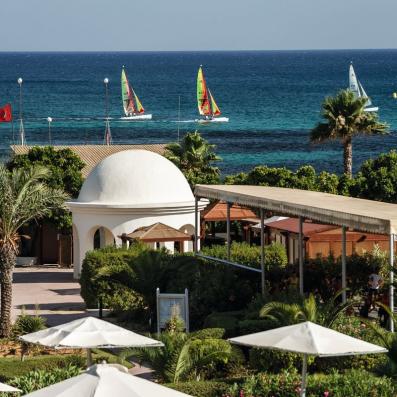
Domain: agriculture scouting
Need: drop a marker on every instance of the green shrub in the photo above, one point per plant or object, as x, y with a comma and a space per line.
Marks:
37, 379
304, 178
107, 274
226, 320
14, 367
245, 327
273, 360
275, 254
184, 357
353, 383
26, 324
239, 252
202, 388
217, 333
353, 326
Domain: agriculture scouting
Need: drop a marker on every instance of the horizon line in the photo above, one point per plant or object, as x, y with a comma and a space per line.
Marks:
198, 51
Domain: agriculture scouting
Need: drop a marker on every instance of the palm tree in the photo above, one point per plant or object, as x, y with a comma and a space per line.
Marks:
24, 197
194, 156
308, 309
345, 117
187, 356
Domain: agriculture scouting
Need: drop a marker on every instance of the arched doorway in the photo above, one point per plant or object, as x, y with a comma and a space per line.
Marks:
187, 245
102, 237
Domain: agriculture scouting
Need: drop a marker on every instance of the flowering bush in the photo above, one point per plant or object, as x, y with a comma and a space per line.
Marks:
287, 384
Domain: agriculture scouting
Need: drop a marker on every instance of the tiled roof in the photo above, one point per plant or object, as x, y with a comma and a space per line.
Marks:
91, 155
292, 225
217, 211
159, 232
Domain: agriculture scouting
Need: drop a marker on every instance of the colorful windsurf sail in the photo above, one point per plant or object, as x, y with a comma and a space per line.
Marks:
131, 103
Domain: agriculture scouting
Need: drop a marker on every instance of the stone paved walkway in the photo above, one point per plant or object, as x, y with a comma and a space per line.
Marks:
53, 294
50, 291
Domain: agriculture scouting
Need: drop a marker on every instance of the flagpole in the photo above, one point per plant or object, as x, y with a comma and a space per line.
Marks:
49, 119
179, 113
21, 127
108, 135
13, 131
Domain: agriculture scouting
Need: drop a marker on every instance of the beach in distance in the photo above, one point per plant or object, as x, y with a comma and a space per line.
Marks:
272, 100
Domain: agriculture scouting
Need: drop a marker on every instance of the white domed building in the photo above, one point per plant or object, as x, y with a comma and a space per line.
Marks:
131, 190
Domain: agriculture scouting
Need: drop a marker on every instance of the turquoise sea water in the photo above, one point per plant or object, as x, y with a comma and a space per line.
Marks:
272, 98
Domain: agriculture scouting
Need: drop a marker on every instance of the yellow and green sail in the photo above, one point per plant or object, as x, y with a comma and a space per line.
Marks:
131, 103
214, 107
139, 107
205, 101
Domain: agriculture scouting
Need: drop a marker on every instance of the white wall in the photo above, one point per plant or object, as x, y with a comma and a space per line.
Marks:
85, 225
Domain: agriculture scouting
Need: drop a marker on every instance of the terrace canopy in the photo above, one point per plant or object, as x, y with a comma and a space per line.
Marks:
347, 212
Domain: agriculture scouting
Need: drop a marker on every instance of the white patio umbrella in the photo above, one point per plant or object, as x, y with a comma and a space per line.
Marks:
308, 339
8, 389
105, 380
88, 333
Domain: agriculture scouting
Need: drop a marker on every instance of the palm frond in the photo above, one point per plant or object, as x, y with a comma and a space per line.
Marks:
344, 116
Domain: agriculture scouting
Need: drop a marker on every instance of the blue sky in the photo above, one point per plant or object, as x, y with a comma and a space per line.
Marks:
131, 25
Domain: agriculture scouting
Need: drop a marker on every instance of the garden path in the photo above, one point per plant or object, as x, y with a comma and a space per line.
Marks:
48, 291
54, 294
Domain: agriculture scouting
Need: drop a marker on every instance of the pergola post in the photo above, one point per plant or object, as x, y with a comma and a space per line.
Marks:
391, 291
300, 254
344, 298
262, 251
228, 229
195, 242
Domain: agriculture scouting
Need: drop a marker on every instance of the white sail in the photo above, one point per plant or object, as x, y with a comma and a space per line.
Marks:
353, 82
356, 87
364, 95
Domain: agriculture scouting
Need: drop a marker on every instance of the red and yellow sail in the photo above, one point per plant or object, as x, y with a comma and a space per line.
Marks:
131, 103
205, 101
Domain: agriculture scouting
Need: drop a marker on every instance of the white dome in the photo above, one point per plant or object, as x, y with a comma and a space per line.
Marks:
137, 178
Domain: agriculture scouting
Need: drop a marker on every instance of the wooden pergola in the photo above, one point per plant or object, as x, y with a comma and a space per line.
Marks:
156, 233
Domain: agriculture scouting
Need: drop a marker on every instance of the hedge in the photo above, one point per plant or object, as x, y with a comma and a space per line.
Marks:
13, 367
275, 254
201, 388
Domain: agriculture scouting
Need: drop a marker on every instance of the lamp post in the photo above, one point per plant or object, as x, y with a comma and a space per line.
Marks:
21, 128
108, 135
49, 119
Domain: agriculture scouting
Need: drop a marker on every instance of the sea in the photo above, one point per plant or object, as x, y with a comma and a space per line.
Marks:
273, 99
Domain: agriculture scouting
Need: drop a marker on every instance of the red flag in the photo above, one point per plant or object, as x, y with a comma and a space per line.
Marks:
6, 114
